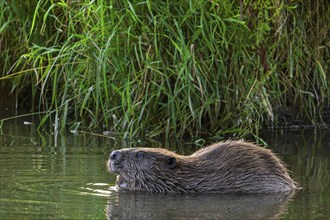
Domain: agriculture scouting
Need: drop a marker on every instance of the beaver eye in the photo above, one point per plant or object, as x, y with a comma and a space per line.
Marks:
139, 154
171, 163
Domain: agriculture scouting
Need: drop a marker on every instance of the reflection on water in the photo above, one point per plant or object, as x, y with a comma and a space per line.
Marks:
132, 205
39, 180
307, 154
43, 177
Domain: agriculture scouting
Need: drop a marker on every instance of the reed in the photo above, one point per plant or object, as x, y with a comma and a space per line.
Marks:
173, 68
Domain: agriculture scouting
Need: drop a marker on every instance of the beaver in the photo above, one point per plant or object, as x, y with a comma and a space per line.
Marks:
224, 167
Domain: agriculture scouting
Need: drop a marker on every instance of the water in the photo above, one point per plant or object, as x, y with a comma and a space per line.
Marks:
44, 176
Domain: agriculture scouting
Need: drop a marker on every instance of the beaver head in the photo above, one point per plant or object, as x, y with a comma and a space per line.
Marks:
145, 169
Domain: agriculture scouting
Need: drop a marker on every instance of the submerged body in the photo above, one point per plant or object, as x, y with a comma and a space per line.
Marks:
225, 167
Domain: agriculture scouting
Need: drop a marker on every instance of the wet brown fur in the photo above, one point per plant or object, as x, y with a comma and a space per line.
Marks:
225, 167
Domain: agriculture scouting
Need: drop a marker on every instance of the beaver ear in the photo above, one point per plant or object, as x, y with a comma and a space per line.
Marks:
171, 163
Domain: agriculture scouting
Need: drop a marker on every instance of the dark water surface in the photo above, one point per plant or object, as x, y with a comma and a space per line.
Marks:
65, 177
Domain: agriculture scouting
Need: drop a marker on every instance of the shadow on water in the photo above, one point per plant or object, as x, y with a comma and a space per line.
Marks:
130, 205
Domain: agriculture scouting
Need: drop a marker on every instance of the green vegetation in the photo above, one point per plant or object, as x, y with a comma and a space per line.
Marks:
175, 68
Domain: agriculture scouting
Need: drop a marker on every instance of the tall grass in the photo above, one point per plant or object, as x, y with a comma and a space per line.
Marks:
174, 68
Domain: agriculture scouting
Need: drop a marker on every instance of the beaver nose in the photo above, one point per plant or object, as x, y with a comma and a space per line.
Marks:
114, 155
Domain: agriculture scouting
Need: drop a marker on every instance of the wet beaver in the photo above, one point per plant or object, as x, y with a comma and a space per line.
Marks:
225, 167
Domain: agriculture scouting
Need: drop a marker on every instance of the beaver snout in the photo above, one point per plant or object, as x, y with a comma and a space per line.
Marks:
115, 155
114, 160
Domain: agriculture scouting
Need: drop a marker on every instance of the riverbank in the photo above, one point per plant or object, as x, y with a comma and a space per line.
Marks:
206, 68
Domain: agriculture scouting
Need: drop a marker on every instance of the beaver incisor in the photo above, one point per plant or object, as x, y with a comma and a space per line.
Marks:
225, 167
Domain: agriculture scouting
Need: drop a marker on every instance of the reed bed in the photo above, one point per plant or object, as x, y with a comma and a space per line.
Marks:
171, 68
